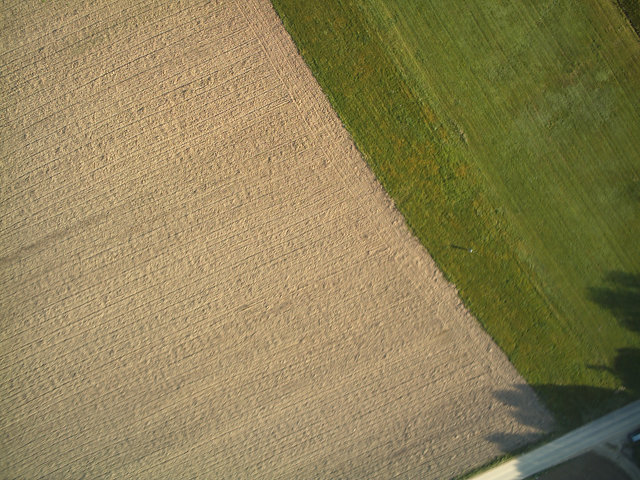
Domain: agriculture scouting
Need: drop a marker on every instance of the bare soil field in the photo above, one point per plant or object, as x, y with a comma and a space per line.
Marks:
200, 277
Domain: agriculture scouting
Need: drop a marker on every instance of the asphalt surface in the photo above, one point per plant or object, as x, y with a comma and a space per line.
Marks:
575, 443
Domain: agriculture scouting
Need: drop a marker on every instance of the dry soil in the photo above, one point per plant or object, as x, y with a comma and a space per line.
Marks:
201, 277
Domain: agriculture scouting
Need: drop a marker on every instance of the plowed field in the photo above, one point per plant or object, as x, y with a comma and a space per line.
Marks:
199, 275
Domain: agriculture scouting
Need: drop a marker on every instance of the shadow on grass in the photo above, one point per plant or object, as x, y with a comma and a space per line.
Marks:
620, 294
575, 405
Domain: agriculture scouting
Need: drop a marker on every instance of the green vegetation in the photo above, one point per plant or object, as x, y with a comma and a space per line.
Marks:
512, 128
631, 9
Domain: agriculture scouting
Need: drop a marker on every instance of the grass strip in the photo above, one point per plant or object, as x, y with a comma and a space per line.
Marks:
510, 129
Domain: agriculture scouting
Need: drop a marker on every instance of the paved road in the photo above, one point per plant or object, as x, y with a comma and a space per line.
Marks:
570, 445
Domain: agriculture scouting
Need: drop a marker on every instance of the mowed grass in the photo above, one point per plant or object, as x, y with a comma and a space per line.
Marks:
512, 128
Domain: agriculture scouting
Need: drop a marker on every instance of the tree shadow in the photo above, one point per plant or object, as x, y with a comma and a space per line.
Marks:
518, 400
621, 296
627, 367
575, 405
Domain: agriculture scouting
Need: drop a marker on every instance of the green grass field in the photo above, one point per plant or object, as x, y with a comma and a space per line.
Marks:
512, 128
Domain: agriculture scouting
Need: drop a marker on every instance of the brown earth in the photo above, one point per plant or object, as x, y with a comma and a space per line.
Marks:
201, 277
